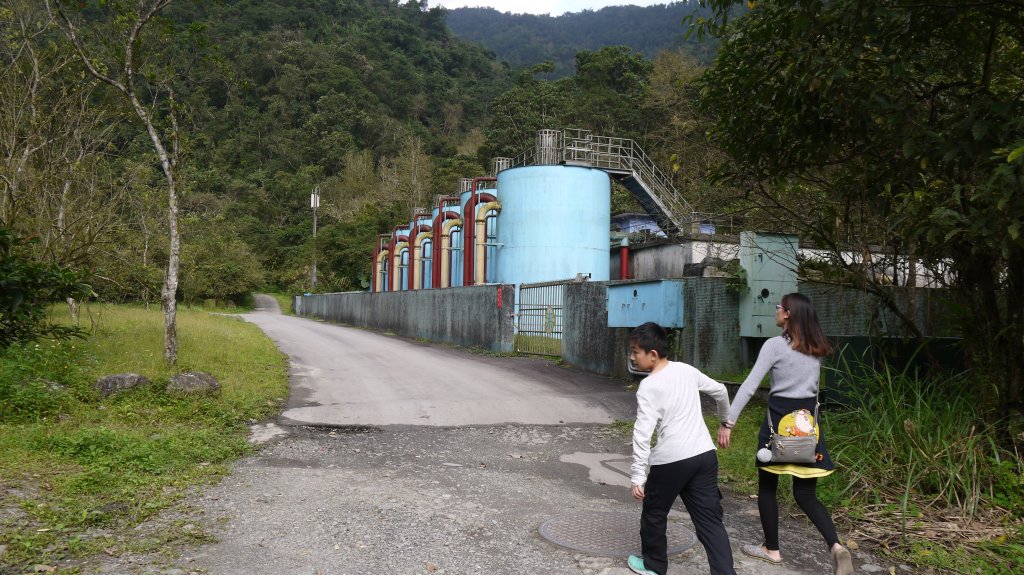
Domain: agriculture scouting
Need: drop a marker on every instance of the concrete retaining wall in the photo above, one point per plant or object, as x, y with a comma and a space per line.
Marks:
474, 316
587, 341
711, 339
483, 316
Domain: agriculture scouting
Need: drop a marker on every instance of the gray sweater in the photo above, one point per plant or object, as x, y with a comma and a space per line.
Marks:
793, 374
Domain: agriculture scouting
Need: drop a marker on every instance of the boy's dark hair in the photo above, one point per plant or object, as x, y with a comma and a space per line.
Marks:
650, 337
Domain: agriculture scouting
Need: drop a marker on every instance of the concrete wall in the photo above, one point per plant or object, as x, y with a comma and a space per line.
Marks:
477, 316
656, 262
669, 260
587, 341
850, 312
474, 316
711, 339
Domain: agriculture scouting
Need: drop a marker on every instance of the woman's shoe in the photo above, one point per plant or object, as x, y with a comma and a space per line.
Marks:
759, 552
843, 561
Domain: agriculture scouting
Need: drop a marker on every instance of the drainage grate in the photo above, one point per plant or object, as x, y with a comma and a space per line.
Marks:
608, 534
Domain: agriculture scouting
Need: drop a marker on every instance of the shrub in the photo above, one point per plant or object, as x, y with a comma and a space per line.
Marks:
27, 286
33, 381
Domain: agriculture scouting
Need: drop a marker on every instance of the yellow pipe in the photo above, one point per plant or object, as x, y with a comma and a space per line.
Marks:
417, 253
396, 274
481, 240
380, 270
445, 253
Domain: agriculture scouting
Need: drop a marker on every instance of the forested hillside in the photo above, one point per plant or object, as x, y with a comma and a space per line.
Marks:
270, 98
528, 39
325, 90
373, 102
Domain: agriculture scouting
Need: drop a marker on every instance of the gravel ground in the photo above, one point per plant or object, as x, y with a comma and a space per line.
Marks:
418, 500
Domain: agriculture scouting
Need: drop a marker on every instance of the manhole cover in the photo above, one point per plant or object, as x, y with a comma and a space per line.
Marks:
609, 534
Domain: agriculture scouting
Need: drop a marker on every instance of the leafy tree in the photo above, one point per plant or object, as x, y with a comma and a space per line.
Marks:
611, 85
217, 264
605, 96
897, 124
530, 106
677, 135
408, 175
147, 81
55, 133
27, 286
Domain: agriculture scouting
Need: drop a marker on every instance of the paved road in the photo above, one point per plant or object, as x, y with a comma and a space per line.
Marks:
343, 376
430, 485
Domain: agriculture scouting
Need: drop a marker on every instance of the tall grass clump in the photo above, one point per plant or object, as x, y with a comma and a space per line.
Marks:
30, 380
924, 470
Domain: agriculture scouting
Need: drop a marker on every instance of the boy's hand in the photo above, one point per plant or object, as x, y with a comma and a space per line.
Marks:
638, 492
724, 434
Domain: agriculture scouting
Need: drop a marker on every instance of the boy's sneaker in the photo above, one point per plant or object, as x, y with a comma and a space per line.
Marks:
636, 565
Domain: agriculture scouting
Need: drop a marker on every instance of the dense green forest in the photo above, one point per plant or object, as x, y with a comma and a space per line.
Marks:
527, 39
273, 97
374, 102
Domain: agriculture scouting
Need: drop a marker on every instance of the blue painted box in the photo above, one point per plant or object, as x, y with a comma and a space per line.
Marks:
632, 303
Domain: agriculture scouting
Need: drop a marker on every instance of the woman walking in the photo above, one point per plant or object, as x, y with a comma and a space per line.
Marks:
794, 361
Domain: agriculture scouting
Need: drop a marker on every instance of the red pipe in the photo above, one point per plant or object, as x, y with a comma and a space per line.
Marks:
442, 216
624, 262
468, 232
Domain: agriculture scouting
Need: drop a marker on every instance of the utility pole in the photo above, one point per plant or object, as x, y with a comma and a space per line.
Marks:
314, 202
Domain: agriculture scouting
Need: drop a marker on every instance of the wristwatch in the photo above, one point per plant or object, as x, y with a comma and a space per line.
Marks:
728, 425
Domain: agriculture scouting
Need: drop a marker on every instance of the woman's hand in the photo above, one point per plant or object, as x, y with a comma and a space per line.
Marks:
638, 492
724, 435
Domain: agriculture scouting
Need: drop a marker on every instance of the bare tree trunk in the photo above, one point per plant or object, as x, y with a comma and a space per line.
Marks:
912, 279
73, 308
169, 293
147, 11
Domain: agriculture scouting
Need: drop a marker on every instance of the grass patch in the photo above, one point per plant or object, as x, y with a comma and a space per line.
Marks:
538, 344
77, 473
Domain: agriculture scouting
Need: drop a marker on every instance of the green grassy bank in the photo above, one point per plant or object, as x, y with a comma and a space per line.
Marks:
78, 472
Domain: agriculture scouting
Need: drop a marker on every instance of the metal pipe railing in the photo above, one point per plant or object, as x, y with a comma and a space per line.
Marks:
581, 147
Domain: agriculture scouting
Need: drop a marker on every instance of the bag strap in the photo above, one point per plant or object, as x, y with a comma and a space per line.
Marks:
768, 409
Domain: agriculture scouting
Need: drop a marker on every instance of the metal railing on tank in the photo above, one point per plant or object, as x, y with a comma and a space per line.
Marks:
621, 157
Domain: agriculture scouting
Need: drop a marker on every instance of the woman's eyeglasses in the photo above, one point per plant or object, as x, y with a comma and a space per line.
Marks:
780, 306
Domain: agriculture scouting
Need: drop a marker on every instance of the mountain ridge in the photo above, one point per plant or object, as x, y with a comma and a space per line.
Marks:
525, 40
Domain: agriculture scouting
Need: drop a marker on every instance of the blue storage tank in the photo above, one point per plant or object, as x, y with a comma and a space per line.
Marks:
554, 224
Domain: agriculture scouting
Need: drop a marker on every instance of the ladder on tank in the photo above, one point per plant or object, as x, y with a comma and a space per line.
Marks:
625, 162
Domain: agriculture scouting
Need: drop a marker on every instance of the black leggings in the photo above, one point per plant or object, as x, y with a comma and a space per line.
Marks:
805, 493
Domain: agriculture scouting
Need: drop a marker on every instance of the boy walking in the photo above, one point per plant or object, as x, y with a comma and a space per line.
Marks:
683, 463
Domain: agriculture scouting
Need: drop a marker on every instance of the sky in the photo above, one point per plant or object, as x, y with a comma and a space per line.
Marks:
552, 7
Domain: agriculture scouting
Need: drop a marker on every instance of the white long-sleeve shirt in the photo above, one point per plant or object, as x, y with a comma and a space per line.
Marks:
669, 400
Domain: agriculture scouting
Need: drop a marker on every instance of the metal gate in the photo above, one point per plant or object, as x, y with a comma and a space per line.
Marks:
539, 328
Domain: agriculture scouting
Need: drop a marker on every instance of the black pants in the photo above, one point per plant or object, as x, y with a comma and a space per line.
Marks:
805, 491
695, 480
